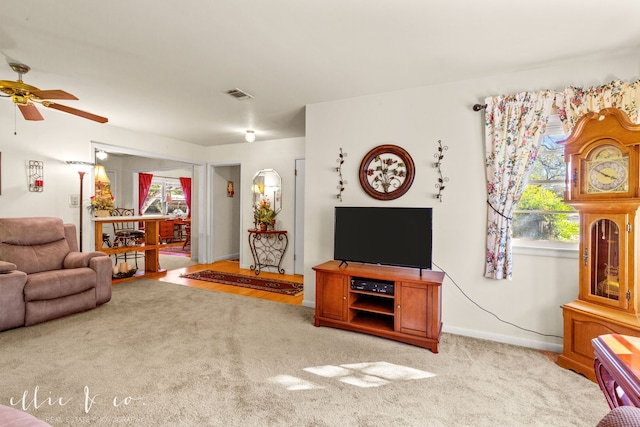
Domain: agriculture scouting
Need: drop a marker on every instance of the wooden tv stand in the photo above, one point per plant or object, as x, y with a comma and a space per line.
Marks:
412, 314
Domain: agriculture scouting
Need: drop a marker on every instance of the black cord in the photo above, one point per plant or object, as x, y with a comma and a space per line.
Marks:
493, 314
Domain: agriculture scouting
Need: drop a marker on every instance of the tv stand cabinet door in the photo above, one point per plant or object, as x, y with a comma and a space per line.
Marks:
331, 296
411, 309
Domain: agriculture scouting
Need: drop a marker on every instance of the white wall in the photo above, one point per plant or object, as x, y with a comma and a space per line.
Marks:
415, 120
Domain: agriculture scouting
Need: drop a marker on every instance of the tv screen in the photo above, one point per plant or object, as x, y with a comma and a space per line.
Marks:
380, 235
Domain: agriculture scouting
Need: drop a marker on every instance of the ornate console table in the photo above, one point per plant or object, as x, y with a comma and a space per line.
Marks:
268, 248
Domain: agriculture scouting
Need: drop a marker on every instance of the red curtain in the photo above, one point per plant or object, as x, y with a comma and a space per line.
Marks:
144, 184
186, 190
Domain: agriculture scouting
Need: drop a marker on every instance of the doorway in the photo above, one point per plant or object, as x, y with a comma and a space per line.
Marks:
123, 165
225, 215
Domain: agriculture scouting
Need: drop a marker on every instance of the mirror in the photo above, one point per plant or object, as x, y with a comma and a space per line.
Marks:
267, 188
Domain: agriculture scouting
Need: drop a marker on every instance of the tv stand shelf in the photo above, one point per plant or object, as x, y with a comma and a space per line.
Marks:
371, 302
412, 314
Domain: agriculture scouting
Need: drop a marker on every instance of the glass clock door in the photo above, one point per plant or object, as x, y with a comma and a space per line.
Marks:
605, 280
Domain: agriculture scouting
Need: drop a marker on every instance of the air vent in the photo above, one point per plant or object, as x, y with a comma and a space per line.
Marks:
238, 94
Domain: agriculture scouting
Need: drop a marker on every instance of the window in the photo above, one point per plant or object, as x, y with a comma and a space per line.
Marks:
165, 197
541, 214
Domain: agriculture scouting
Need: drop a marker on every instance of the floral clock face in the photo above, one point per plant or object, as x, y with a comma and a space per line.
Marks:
386, 172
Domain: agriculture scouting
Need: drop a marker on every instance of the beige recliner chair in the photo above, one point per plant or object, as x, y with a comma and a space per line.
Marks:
42, 274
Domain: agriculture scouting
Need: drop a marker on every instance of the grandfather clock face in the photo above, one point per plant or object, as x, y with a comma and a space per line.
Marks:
607, 171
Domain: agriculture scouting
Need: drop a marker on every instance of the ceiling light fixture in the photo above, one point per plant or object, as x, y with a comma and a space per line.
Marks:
101, 155
250, 136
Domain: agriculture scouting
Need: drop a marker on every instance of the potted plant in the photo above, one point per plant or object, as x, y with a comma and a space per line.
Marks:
263, 215
103, 202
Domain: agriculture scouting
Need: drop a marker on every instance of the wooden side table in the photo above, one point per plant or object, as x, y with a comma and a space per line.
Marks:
268, 248
617, 367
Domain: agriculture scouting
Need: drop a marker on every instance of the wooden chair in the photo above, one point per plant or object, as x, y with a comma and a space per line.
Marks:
106, 239
127, 234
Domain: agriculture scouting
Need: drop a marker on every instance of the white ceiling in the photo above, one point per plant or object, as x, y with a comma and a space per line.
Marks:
162, 66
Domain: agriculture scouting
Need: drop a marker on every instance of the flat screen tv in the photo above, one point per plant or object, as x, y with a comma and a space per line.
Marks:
381, 235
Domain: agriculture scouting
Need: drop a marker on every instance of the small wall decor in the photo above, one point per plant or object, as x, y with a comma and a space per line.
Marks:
230, 191
441, 179
36, 176
386, 172
341, 182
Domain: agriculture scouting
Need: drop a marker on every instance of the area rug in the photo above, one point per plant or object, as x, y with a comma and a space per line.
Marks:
176, 251
253, 282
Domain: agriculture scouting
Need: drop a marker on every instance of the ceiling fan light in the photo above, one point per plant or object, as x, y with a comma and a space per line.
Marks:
20, 99
24, 95
250, 136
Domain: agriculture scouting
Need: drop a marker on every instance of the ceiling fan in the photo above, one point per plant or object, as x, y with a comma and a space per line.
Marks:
24, 96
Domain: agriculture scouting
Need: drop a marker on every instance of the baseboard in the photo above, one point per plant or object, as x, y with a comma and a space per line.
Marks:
227, 257
522, 342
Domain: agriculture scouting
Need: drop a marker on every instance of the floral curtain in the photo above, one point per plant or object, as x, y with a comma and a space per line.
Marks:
514, 125
574, 102
186, 190
144, 184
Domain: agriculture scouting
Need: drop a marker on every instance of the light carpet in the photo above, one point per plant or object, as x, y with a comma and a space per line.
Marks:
161, 354
172, 262
176, 251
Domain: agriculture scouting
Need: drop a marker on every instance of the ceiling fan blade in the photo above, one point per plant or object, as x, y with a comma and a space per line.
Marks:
76, 112
53, 94
30, 112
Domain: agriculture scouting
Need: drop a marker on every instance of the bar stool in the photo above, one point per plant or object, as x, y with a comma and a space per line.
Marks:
127, 234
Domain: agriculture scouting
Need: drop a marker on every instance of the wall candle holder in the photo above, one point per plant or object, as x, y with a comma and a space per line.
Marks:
341, 182
438, 165
36, 176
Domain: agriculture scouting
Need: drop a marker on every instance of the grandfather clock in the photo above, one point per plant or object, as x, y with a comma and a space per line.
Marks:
601, 156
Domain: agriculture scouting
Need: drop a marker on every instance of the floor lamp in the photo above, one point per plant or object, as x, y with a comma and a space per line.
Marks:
81, 167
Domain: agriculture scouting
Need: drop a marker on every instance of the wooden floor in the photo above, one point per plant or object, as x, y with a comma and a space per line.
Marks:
173, 276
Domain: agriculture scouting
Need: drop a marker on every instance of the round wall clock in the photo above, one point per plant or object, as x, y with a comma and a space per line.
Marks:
386, 172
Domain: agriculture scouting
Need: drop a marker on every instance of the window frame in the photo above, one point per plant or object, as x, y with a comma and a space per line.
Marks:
163, 181
556, 249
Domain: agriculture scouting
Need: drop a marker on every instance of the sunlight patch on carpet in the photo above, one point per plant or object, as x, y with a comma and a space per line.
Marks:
329, 371
364, 375
365, 381
390, 371
293, 383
